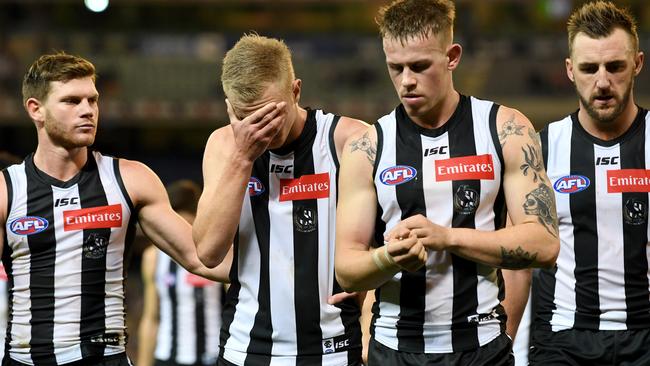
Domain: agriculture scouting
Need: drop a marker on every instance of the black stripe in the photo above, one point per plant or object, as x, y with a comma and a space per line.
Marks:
380, 225
410, 198
543, 136
173, 289
635, 233
42, 248
462, 143
583, 218
259, 349
332, 142
231, 299
120, 182
93, 264
199, 316
500, 200
7, 261
545, 278
305, 253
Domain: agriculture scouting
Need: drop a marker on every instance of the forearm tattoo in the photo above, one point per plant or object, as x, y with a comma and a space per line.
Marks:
364, 144
517, 258
533, 162
539, 202
510, 128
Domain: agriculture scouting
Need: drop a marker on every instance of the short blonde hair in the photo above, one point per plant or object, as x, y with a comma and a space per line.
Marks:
404, 19
254, 63
598, 20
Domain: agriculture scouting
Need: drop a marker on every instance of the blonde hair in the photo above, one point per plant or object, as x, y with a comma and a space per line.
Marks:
404, 19
254, 63
599, 19
55, 67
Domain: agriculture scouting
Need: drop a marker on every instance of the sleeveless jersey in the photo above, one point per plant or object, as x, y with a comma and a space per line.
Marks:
601, 278
453, 176
283, 267
190, 315
65, 244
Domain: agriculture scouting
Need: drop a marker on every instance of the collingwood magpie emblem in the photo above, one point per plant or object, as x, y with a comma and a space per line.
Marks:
305, 219
635, 212
466, 200
95, 246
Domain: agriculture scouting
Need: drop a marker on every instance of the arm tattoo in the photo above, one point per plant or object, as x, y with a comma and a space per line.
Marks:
364, 144
517, 258
540, 202
533, 162
510, 128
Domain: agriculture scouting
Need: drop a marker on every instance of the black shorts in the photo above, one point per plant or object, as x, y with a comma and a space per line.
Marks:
496, 353
119, 359
590, 347
223, 362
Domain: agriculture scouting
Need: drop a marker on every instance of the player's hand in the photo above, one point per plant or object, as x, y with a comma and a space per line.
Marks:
254, 133
432, 236
409, 254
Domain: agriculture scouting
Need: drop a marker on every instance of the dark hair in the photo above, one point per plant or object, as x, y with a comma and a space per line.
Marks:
599, 19
54, 67
184, 195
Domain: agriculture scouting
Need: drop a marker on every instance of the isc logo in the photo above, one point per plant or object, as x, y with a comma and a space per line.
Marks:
60, 202
398, 174
255, 187
571, 184
607, 160
277, 168
435, 150
28, 225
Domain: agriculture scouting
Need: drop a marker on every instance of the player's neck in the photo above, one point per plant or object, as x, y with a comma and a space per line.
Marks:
607, 131
297, 126
441, 113
58, 162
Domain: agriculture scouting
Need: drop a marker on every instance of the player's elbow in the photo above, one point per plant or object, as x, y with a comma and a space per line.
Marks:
549, 255
346, 283
208, 257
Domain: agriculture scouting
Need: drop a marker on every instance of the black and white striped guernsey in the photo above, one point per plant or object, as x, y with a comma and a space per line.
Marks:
65, 245
190, 315
601, 280
453, 176
283, 268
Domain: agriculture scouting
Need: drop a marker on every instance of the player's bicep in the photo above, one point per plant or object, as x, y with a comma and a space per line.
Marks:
357, 197
529, 196
4, 202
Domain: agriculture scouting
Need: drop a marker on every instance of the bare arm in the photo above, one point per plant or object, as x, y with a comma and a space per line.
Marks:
227, 165
532, 240
517, 284
4, 201
366, 319
356, 269
164, 227
148, 328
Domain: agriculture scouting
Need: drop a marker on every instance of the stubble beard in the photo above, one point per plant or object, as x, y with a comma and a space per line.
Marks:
604, 117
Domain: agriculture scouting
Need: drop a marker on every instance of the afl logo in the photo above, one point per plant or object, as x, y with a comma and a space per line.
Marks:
255, 187
571, 184
397, 175
28, 225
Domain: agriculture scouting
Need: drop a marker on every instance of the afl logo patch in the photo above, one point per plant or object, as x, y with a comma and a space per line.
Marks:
571, 184
397, 175
255, 187
28, 225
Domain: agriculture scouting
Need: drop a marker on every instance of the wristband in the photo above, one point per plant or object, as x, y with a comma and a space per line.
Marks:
377, 260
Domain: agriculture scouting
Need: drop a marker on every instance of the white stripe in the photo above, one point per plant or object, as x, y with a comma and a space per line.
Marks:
389, 301
611, 258
212, 311
21, 264
248, 273
185, 319
559, 163
281, 264
67, 271
114, 277
164, 336
439, 308
487, 288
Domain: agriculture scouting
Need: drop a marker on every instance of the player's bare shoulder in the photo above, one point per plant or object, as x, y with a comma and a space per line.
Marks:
4, 199
345, 129
139, 180
363, 143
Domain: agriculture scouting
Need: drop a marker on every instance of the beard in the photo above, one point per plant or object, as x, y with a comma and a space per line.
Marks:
68, 139
609, 115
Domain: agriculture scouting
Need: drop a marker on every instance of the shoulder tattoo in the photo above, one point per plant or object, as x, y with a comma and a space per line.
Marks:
364, 144
510, 127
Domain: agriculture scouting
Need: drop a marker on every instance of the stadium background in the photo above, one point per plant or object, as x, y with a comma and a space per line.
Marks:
159, 65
